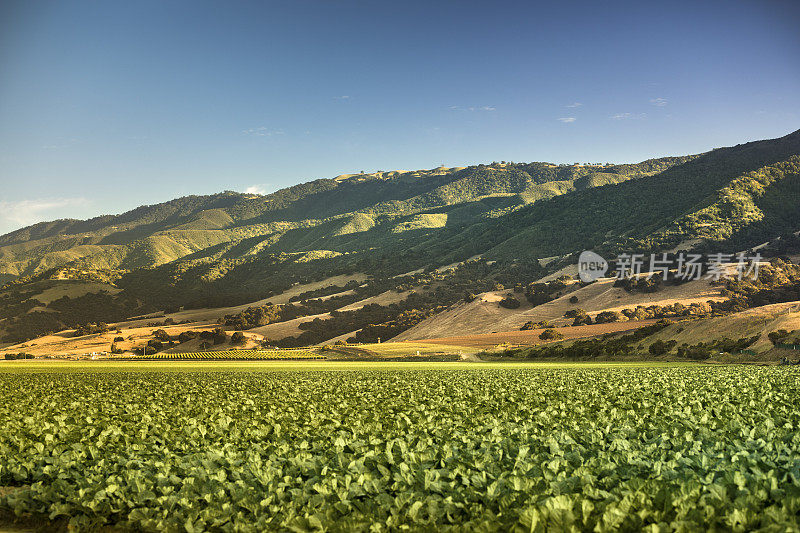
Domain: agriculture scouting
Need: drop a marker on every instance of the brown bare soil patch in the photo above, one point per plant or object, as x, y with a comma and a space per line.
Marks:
484, 315
531, 337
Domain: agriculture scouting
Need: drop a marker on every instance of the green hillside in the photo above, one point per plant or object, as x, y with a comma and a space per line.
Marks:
337, 214
233, 248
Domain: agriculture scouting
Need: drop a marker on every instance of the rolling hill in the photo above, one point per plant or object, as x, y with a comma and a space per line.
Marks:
393, 229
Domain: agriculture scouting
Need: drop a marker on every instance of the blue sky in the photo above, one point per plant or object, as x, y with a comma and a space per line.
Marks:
106, 105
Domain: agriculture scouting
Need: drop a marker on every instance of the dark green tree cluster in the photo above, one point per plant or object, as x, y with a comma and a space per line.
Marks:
254, 317
20, 355
509, 302
217, 336
551, 334
162, 335
661, 347
535, 325
91, 328
542, 292
608, 346
579, 316
606, 317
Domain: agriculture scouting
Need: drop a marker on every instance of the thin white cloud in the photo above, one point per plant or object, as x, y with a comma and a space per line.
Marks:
473, 108
628, 116
575, 104
26, 212
567, 120
659, 102
62, 144
256, 189
262, 132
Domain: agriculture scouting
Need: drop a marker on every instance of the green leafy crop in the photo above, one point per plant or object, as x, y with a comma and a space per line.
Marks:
517, 449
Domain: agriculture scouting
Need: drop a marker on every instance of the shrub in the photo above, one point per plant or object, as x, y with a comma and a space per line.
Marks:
778, 337
154, 345
509, 302
539, 293
161, 335
187, 336
91, 328
219, 336
582, 320
606, 316
535, 325
550, 334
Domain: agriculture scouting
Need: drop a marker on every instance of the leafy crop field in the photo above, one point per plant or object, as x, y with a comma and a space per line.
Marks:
249, 355
365, 447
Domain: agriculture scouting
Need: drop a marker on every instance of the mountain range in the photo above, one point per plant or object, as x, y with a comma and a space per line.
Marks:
524, 220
